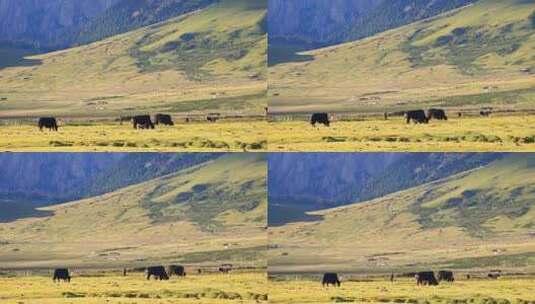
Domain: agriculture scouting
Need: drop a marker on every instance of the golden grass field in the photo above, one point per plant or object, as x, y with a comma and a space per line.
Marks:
209, 288
498, 133
193, 137
506, 290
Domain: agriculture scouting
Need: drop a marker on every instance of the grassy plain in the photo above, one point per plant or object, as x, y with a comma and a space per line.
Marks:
99, 136
112, 288
467, 134
477, 291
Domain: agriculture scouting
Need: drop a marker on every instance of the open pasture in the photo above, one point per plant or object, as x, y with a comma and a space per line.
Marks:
134, 288
111, 136
497, 133
505, 290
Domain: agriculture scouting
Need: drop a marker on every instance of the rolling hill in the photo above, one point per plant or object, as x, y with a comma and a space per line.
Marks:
301, 182
475, 220
474, 56
212, 59
206, 214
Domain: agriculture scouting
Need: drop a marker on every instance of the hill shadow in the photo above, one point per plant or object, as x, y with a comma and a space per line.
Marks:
280, 215
281, 51
12, 211
17, 57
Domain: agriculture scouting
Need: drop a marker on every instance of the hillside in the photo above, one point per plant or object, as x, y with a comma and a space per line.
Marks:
305, 182
475, 56
209, 60
478, 219
35, 180
206, 214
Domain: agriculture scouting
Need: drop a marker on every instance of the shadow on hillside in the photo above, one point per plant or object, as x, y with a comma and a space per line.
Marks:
11, 211
16, 57
279, 215
282, 53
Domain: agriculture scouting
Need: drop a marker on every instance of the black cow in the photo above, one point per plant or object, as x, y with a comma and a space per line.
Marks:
495, 274
322, 118
143, 122
438, 114
177, 270
62, 274
163, 119
330, 278
485, 113
158, 272
445, 275
418, 116
225, 268
48, 122
426, 278
213, 117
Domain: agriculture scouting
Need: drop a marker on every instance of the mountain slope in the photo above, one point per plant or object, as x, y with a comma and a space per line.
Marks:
205, 214
34, 180
475, 219
212, 59
393, 14
46, 24
315, 21
463, 58
320, 22
127, 15
305, 182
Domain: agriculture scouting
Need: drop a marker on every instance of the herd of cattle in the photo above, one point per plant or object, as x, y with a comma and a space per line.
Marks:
157, 272
423, 278
416, 116
139, 121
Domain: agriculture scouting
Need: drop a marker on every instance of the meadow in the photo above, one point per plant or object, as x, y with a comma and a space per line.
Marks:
93, 136
134, 288
484, 291
481, 134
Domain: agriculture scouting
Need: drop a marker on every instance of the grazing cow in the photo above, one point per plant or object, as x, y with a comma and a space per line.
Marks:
62, 274
495, 274
213, 117
445, 275
438, 114
225, 268
426, 278
330, 278
177, 270
418, 116
143, 122
158, 272
48, 122
163, 119
321, 118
